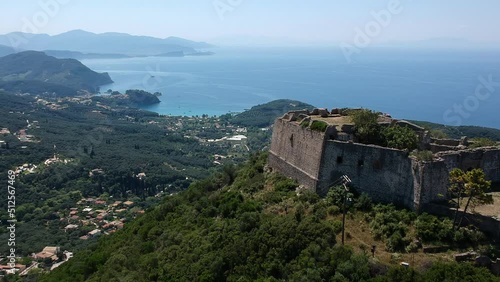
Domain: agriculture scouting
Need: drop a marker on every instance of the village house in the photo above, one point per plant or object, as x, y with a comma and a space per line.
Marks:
94, 233
7, 269
48, 252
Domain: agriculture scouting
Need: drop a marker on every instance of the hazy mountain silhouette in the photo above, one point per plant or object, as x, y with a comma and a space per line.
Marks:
111, 42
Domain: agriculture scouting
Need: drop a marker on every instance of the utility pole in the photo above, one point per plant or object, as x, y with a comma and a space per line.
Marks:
345, 181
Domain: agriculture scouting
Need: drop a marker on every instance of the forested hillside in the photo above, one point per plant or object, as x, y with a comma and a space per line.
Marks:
246, 224
456, 132
119, 143
265, 114
37, 66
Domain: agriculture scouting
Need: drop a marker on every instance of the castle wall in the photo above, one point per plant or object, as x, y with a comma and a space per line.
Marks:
296, 152
430, 182
436, 148
446, 142
487, 159
385, 174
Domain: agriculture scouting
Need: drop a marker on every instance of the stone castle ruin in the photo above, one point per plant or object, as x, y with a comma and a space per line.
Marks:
317, 158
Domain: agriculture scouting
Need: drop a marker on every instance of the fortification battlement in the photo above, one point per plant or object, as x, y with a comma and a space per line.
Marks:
341, 127
316, 158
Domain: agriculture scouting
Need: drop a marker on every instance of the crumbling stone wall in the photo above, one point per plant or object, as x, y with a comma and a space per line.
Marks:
488, 159
446, 142
296, 152
430, 182
385, 174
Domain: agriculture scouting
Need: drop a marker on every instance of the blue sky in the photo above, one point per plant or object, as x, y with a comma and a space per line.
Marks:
312, 21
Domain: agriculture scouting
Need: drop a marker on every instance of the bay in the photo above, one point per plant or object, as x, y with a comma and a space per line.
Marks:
433, 85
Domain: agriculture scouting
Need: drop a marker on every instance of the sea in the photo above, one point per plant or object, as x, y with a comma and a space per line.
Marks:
453, 87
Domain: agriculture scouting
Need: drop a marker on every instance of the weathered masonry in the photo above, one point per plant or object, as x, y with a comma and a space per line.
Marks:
316, 159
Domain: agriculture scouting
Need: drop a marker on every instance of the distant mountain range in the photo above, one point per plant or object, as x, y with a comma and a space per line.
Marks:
81, 44
37, 73
5, 50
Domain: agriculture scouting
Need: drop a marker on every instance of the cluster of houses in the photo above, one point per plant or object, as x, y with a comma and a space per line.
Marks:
6, 269
52, 254
32, 168
3, 144
103, 217
26, 168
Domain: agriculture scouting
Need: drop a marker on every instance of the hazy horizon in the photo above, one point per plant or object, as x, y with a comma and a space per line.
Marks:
256, 22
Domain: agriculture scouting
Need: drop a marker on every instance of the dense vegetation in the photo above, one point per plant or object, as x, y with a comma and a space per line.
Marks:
208, 231
369, 131
319, 125
247, 225
37, 66
37, 88
141, 97
264, 115
121, 142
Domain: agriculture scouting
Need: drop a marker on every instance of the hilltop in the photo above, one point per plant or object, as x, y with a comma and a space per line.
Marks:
24, 67
265, 114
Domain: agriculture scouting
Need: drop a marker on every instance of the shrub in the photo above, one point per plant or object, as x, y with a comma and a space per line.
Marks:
320, 212
412, 247
400, 137
337, 226
366, 126
335, 196
363, 203
432, 229
309, 196
319, 125
482, 142
305, 123
334, 210
285, 185
396, 242
392, 225
424, 156
273, 197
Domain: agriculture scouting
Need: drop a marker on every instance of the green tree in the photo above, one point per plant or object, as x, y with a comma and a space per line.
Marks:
366, 126
400, 137
471, 185
456, 187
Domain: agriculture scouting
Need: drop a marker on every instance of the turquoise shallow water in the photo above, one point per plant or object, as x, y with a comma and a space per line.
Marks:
424, 85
